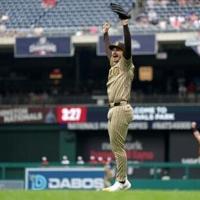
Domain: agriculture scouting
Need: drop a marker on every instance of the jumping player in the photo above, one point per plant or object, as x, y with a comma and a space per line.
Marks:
120, 112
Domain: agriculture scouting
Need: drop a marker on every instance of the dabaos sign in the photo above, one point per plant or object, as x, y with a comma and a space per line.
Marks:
67, 114
61, 178
75, 183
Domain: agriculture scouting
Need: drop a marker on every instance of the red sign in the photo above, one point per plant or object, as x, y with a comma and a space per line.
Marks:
49, 3
71, 114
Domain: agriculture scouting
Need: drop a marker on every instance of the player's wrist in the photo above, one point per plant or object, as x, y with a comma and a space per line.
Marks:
105, 32
124, 22
106, 27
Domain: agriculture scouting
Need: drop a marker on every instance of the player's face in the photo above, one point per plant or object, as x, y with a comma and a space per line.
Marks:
116, 54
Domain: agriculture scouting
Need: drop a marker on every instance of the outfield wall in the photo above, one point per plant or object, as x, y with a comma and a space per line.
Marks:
158, 134
90, 177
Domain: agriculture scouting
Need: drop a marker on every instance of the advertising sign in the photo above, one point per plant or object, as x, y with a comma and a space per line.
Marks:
27, 115
67, 114
43, 47
64, 178
141, 44
83, 117
147, 146
194, 43
145, 118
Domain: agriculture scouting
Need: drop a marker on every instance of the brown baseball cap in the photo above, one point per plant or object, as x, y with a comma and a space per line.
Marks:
118, 45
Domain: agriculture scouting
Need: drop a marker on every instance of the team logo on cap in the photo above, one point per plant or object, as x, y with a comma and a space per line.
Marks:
117, 43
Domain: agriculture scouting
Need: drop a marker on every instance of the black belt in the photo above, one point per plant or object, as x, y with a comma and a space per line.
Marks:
115, 104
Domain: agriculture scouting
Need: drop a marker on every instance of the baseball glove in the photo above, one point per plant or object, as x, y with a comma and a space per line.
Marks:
116, 8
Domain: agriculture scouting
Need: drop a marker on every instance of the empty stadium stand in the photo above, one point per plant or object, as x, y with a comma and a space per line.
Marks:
73, 16
67, 13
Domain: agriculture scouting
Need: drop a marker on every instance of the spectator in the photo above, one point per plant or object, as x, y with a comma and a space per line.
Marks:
93, 160
80, 160
182, 91
44, 161
196, 2
193, 20
153, 17
4, 18
176, 21
155, 172
165, 176
100, 160
142, 20
182, 2
163, 3
191, 90
108, 161
93, 30
50, 116
151, 4
38, 31
65, 160
49, 3
163, 25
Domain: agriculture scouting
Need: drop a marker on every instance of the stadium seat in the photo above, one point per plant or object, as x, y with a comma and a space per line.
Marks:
79, 13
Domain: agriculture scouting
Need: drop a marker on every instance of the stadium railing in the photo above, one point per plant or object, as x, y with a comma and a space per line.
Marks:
16, 170
94, 99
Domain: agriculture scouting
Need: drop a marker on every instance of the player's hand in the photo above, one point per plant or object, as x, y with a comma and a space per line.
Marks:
106, 27
194, 126
124, 22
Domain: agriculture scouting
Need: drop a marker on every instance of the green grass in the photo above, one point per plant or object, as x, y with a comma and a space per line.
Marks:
92, 195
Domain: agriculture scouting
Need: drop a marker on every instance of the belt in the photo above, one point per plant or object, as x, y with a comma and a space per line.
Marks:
121, 103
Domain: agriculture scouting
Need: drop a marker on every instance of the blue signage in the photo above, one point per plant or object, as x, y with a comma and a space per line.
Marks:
141, 44
64, 178
145, 118
43, 47
194, 43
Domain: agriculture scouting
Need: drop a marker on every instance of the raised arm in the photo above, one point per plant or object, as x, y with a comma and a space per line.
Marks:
106, 27
197, 136
196, 132
127, 39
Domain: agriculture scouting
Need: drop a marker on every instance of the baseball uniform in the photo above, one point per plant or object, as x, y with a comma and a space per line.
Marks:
120, 113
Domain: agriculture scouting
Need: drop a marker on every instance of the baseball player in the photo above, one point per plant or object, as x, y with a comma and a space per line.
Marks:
196, 133
120, 112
